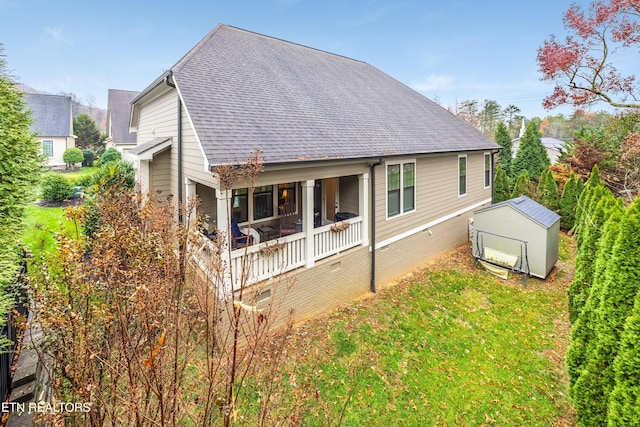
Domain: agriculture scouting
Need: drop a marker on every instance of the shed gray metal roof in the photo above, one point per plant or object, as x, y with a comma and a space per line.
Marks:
530, 208
245, 91
51, 114
119, 112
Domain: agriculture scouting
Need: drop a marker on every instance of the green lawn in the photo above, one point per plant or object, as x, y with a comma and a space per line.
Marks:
454, 347
41, 224
79, 173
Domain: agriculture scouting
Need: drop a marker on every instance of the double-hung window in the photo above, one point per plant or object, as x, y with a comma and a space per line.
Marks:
47, 147
487, 170
401, 188
462, 175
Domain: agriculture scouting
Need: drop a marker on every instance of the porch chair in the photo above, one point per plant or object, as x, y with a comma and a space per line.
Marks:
287, 219
238, 238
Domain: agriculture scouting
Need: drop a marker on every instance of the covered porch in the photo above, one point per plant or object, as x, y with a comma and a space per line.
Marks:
284, 226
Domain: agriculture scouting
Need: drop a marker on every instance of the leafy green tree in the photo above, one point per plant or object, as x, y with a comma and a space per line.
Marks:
569, 201
71, 156
523, 186
548, 190
109, 155
531, 155
21, 165
501, 191
502, 137
84, 127
624, 409
582, 331
621, 284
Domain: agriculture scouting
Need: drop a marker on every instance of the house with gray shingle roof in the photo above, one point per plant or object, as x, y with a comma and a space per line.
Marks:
341, 142
52, 120
118, 115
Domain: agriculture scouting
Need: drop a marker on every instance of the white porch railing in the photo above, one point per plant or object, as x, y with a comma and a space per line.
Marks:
327, 242
261, 262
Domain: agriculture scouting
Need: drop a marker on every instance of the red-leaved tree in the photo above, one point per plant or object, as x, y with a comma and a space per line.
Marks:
582, 66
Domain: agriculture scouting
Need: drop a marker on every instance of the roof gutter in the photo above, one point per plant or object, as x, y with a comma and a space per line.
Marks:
373, 224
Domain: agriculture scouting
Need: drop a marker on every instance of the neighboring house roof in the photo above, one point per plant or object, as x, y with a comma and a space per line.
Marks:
553, 143
51, 114
529, 208
245, 91
118, 114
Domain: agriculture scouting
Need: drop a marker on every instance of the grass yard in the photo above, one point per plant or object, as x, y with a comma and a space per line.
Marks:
41, 224
79, 173
451, 346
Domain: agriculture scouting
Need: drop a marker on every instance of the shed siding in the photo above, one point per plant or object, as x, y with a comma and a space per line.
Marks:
542, 246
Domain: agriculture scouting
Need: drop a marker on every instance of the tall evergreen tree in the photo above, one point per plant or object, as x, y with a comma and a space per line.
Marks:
21, 164
622, 281
84, 127
569, 201
548, 190
531, 155
523, 186
582, 331
583, 202
624, 402
585, 265
501, 190
501, 136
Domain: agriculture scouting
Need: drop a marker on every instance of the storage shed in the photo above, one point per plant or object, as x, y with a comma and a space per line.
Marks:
519, 235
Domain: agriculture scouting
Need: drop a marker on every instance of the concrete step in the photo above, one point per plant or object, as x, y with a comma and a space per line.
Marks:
26, 369
23, 393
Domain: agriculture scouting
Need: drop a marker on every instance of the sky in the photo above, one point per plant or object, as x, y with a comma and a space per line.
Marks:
449, 51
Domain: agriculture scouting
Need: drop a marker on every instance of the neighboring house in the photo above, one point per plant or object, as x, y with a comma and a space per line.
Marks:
341, 141
553, 146
118, 115
53, 122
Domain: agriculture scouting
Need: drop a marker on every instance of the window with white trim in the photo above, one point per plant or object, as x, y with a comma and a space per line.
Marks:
47, 147
462, 175
401, 188
487, 170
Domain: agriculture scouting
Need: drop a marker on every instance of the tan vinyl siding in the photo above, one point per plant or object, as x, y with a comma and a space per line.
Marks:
436, 181
192, 156
160, 172
208, 202
348, 192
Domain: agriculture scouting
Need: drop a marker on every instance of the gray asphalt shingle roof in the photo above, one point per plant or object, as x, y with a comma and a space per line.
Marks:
245, 91
51, 114
119, 111
529, 208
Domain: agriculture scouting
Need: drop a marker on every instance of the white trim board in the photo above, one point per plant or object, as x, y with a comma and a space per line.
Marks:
430, 224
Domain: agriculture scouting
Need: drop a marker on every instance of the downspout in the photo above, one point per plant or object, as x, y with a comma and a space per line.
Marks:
373, 224
179, 142
493, 172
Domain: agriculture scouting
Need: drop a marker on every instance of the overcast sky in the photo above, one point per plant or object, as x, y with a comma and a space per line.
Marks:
449, 51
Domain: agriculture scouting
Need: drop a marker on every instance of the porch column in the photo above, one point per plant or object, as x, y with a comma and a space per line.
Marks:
223, 200
307, 220
190, 189
363, 206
